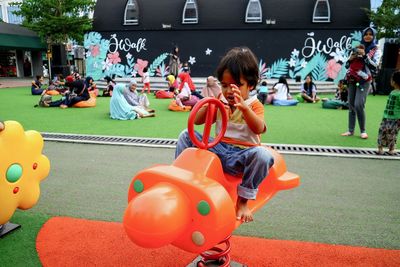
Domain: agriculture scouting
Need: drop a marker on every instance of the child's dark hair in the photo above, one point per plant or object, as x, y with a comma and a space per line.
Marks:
264, 83
396, 77
240, 61
145, 69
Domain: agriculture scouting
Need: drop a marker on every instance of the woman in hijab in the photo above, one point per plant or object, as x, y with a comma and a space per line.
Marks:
174, 62
91, 86
110, 86
211, 89
358, 90
120, 108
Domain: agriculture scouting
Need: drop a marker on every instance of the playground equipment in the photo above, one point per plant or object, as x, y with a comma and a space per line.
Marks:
191, 203
22, 167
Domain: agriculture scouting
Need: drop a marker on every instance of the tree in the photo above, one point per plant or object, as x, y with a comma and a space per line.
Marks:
387, 19
56, 21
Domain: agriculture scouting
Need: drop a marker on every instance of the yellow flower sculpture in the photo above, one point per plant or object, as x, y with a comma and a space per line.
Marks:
22, 167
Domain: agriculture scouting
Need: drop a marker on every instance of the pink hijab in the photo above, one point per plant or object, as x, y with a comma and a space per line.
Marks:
211, 89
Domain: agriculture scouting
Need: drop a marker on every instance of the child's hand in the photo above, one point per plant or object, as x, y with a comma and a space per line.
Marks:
238, 98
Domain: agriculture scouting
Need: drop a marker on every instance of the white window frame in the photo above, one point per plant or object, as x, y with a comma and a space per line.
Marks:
321, 19
191, 4
129, 4
249, 19
11, 17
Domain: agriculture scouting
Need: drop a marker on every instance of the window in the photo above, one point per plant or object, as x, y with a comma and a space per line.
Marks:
253, 12
322, 12
190, 15
131, 13
12, 18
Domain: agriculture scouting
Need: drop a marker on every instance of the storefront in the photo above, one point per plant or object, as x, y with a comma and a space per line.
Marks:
20, 52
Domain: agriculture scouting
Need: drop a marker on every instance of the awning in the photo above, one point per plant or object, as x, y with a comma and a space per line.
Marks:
12, 41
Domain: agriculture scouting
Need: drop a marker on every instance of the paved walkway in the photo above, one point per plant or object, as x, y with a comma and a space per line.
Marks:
6, 82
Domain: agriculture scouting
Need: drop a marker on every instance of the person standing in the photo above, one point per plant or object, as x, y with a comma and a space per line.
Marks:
146, 80
390, 124
358, 90
174, 62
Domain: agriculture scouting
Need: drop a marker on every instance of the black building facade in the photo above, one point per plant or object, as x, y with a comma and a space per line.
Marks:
292, 38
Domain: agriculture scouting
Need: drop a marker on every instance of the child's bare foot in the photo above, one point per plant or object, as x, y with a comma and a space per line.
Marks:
380, 150
392, 152
243, 212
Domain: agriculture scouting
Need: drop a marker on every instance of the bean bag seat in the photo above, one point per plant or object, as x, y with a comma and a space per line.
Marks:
164, 94
95, 92
52, 92
175, 107
192, 101
91, 102
300, 98
334, 104
289, 102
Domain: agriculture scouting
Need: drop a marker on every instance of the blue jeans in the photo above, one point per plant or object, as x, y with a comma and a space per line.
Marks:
253, 162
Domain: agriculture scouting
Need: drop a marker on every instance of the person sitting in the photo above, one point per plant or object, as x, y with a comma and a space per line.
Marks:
263, 92
134, 98
340, 100
110, 86
186, 97
184, 76
281, 94
173, 84
91, 86
59, 83
309, 90
211, 89
120, 108
36, 88
77, 92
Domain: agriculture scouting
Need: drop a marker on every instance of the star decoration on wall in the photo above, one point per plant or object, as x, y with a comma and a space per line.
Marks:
192, 60
208, 51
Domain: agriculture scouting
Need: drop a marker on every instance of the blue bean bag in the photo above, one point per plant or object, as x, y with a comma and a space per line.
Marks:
291, 102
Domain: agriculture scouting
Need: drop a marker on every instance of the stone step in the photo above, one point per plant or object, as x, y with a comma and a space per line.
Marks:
159, 83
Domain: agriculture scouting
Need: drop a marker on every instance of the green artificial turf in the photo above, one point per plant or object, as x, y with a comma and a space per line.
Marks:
301, 124
18, 248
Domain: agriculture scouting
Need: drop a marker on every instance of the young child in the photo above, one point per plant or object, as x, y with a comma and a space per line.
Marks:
239, 150
356, 68
390, 124
146, 80
263, 92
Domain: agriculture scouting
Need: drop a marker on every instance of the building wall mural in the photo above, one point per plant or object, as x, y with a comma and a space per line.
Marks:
123, 56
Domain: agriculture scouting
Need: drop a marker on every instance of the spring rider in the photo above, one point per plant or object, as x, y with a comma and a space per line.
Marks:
22, 167
191, 203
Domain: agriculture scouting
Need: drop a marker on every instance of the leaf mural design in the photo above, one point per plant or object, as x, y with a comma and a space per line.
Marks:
116, 69
156, 63
318, 62
262, 69
319, 72
91, 38
162, 70
278, 69
94, 64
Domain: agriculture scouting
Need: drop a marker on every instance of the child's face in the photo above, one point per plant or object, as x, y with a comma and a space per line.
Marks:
226, 82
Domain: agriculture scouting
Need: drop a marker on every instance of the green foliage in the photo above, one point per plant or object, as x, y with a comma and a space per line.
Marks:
56, 21
386, 19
